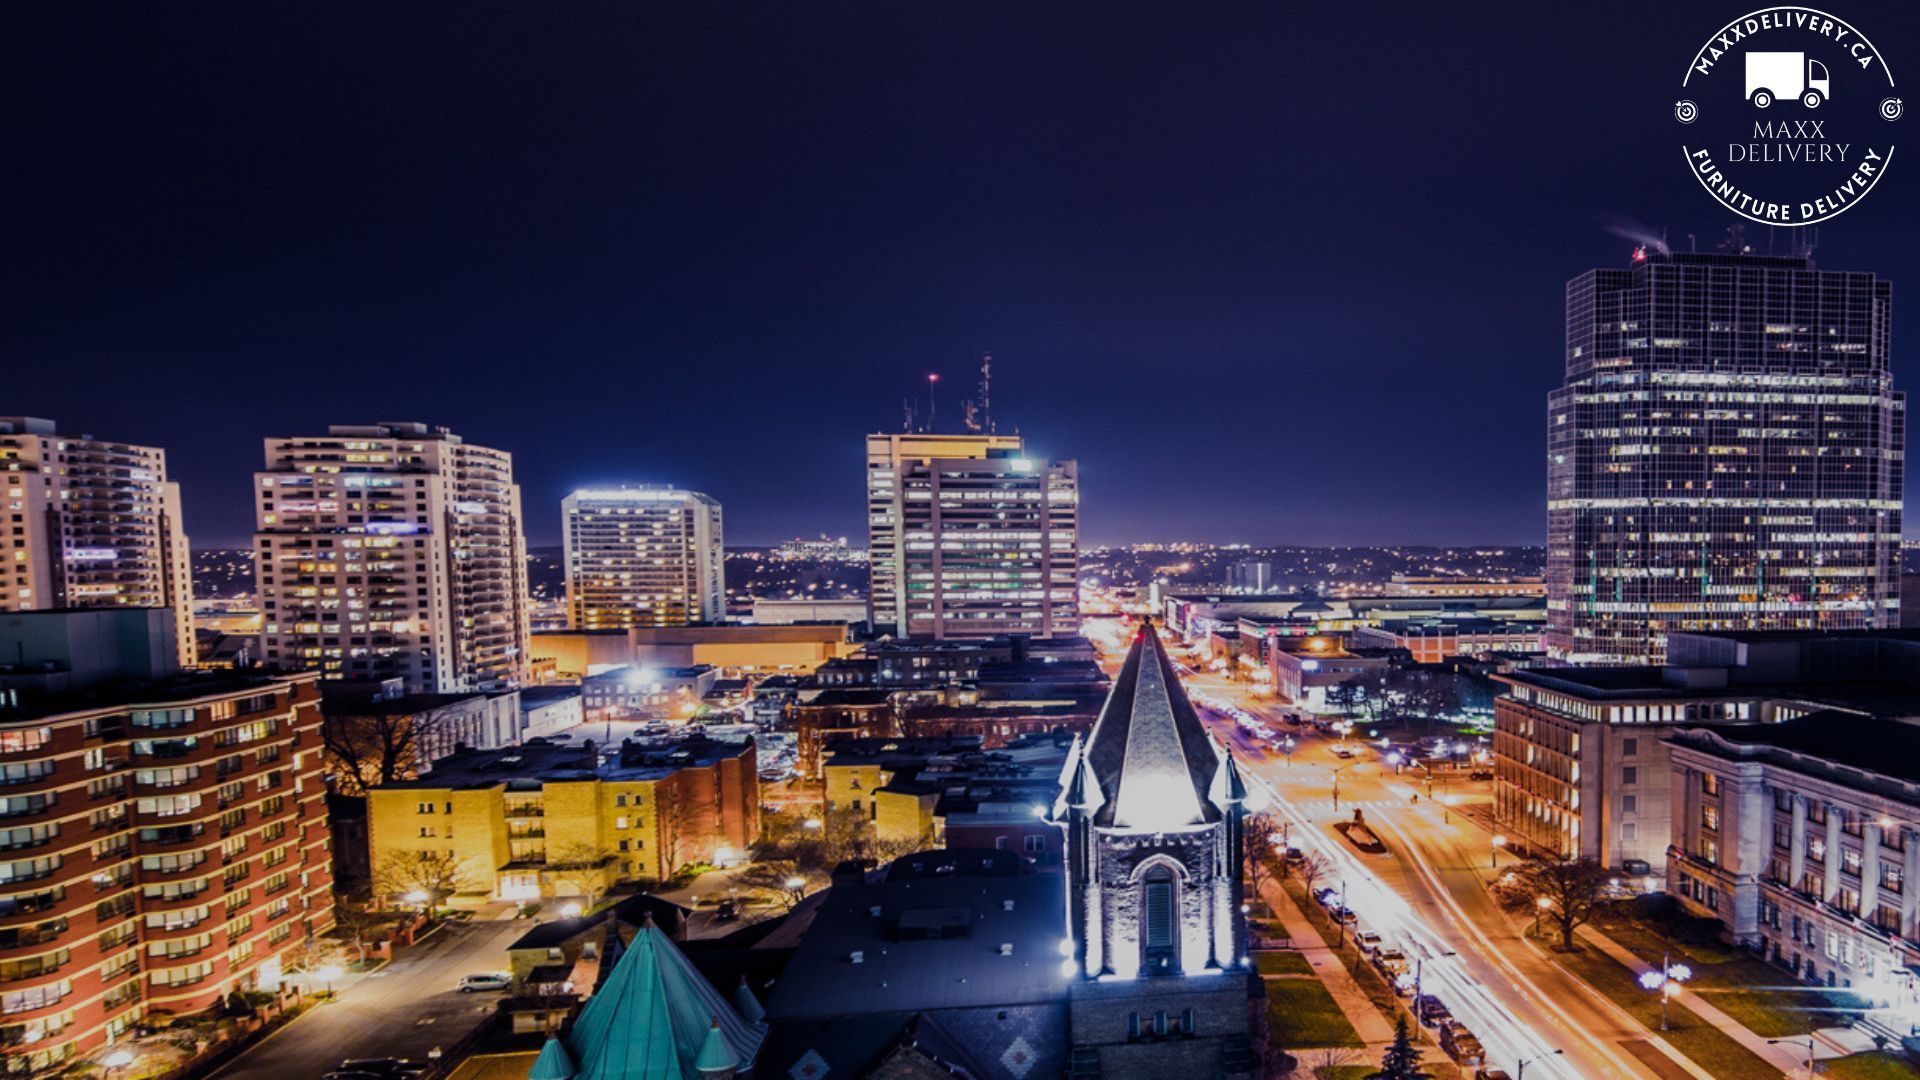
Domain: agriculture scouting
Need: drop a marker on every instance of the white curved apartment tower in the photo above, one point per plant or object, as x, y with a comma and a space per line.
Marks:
642, 556
392, 550
90, 523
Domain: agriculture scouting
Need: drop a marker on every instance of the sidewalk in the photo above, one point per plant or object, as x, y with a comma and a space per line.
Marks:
1789, 1057
1373, 1029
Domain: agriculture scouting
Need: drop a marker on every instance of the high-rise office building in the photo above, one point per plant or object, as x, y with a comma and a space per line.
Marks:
971, 538
1724, 455
392, 550
642, 556
91, 523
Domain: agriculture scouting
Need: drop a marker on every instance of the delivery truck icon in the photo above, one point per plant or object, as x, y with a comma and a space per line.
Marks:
1786, 75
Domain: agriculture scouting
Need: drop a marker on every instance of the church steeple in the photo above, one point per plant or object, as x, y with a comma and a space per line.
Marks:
1149, 752
1151, 804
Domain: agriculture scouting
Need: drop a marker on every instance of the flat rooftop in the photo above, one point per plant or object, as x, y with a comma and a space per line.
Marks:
28, 703
537, 761
1820, 744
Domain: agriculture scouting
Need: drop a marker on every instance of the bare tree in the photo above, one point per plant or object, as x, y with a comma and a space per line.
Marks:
1565, 893
355, 924
437, 874
1311, 868
670, 818
782, 878
587, 868
367, 748
1262, 836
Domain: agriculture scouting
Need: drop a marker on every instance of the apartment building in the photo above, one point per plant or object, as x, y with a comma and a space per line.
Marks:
643, 556
1803, 839
392, 550
166, 832
1581, 759
91, 523
516, 821
969, 537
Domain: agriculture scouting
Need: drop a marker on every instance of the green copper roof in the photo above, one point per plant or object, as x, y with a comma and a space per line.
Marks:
716, 1055
552, 1064
654, 1018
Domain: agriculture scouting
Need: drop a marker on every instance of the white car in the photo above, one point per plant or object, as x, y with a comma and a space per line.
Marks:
492, 980
1367, 940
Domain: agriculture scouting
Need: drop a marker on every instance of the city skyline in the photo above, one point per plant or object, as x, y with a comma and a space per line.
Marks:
876, 221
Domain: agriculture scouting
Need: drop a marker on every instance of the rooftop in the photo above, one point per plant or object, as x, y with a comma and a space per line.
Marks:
537, 761
1881, 755
27, 703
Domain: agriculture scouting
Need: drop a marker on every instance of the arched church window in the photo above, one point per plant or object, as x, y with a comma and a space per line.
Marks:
1157, 936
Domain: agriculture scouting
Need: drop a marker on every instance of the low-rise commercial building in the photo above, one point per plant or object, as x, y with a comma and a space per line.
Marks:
549, 710
1304, 668
166, 831
1433, 640
542, 820
736, 648
642, 693
1581, 764
1803, 839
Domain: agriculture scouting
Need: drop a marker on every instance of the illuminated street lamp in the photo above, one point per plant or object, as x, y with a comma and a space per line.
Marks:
1498, 843
1810, 1072
1666, 982
1540, 906
1288, 743
1394, 759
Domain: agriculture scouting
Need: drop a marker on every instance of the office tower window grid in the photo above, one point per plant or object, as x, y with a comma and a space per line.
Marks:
643, 556
1726, 453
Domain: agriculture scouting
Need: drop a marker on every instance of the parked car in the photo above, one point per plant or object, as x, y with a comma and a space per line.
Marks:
1480, 774
1461, 1044
1295, 855
1326, 896
1430, 1012
1367, 940
1491, 1074
1391, 961
1344, 914
726, 910
491, 980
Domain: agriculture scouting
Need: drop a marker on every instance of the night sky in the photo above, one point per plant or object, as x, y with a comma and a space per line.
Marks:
1271, 273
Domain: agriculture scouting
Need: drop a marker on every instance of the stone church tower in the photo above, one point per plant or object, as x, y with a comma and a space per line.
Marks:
1152, 806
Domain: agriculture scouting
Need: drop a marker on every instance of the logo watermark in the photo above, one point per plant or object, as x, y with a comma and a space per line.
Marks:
1788, 116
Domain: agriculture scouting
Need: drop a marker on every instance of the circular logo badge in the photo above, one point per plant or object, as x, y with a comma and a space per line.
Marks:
1787, 116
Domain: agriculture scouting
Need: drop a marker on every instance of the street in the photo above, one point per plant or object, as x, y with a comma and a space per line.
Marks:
1428, 896
404, 1009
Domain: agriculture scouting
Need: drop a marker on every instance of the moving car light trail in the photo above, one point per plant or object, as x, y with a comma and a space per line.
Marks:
1443, 974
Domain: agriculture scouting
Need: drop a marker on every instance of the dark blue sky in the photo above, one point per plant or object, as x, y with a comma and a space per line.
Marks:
1272, 272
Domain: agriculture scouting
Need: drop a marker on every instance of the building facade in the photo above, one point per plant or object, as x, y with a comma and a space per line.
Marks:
642, 556
1580, 753
167, 841
519, 824
1725, 454
1803, 839
392, 550
92, 523
968, 538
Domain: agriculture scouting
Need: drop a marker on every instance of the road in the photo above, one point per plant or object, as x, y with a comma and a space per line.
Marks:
402, 1010
1428, 897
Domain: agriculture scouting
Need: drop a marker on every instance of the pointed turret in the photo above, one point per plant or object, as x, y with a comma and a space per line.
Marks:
553, 1063
1150, 755
717, 1061
654, 1016
748, 1005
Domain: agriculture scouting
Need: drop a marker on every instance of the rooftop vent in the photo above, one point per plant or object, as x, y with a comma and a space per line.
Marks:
857, 957
1006, 948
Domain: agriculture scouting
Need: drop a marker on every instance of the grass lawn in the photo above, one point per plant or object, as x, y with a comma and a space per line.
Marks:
1764, 998
1708, 1047
1879, 1066
1281, 963
1301, 1013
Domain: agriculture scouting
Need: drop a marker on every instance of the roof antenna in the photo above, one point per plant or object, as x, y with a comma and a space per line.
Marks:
986, 397
933, 404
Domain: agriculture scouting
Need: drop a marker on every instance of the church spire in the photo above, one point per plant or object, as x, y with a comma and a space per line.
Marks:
1149, 753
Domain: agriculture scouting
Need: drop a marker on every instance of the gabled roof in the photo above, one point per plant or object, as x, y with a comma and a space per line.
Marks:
653, 1018
1149, 754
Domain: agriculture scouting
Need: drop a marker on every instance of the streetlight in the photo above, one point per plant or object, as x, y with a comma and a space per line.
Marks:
1540, 906
1666, 982
1340, 917
1393, 759
1498, 843
1288, 743
1810, 1072
1336, 783
1520, 1069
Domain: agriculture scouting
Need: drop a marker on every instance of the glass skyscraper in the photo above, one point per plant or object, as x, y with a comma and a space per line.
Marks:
1726, 453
